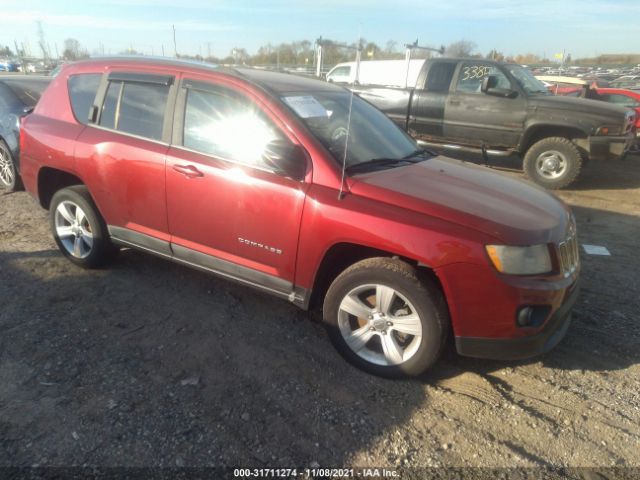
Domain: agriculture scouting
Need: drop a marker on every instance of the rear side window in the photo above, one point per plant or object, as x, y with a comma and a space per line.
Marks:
82, 92
440, 75
135, 108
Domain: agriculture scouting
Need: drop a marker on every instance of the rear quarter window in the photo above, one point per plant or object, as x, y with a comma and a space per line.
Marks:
82, 92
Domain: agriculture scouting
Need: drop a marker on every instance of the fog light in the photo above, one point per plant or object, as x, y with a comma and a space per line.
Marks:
532, 316
524, 317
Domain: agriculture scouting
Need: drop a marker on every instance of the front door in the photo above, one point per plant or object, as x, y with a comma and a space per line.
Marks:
475, 118
230, 211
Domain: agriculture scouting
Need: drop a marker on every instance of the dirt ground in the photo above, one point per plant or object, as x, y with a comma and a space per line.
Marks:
148, 363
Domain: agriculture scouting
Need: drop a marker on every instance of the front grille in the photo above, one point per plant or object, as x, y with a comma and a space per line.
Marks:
568, 254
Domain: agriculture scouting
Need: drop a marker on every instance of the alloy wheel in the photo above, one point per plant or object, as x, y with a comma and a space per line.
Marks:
380, 325
74, 230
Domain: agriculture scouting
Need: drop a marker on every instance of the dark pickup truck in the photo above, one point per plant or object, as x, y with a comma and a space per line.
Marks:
501, 108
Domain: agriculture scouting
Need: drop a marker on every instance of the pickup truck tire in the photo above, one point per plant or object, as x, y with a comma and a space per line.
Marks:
9, 177
384, 319
79, 229
553, 162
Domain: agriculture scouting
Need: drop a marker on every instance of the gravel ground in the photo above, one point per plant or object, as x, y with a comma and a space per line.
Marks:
151, 364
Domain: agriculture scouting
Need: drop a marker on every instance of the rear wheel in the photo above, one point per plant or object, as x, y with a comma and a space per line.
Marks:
78, 228
553, 162
9, 178
383, 319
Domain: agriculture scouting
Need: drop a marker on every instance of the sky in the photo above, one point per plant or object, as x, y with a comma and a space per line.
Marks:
579, 27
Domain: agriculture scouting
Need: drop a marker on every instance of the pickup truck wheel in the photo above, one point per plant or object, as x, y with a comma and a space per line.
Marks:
9, 178
553, 162
383, 319
78, 228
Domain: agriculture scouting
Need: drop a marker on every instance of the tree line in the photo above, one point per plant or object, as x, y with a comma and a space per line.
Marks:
303, 52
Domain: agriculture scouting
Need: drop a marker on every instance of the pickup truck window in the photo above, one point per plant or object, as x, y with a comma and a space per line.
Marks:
439, 76
135, 108
82, 92
371, 134
471, 76
223, 123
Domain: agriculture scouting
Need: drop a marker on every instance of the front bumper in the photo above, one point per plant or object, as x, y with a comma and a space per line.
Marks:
610, 147
522, 347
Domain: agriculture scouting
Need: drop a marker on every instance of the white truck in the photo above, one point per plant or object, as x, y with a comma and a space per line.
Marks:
392, 73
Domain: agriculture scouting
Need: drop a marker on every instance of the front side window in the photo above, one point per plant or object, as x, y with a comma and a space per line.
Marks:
472, 74
82, 92
225, 124
135, 108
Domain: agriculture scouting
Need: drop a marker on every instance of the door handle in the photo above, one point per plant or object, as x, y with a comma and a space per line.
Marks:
454, 102
188, 171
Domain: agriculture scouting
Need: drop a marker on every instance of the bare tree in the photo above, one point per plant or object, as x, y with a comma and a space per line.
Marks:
461, 48
73, 50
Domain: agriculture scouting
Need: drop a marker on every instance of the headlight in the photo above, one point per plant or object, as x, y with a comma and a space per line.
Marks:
531, 260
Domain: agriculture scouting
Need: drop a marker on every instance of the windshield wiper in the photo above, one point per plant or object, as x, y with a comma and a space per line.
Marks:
379, 162
417, 153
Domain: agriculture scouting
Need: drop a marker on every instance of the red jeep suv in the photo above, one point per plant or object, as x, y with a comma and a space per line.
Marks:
298, 188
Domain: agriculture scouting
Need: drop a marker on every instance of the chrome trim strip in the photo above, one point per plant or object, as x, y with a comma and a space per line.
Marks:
210, 264
140, 240
447, 146
232, 271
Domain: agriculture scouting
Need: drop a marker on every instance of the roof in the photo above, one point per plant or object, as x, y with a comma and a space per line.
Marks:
274, 81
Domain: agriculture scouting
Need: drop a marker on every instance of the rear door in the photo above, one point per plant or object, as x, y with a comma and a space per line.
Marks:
122, 154
474, 118
426, 118
229, 210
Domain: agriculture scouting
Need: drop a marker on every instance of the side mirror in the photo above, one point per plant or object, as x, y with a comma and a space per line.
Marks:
286, 159
489, 86
488, 82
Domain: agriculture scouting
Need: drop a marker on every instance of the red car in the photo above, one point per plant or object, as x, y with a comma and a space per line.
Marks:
303, 190
625, 98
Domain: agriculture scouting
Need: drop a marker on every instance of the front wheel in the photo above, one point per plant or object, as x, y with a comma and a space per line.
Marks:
78, 228
553, 162
385, 320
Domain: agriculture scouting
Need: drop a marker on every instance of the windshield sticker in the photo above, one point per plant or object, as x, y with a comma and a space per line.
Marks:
306, 106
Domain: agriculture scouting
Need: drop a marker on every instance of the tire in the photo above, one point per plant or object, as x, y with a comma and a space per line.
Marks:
79, 229
396, 325
553, 162
9, 178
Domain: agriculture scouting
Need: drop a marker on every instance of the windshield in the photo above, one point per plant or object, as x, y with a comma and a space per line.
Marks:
371, 134
526, 80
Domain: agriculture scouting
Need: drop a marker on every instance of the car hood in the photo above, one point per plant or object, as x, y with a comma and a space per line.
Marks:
580, 105
511, 211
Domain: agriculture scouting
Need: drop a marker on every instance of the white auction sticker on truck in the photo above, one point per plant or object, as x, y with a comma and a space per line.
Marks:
306, 106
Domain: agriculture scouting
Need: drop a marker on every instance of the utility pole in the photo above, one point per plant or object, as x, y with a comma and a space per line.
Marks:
410, 47
162, 49
42, 42
175, 47
208, 49
319, 57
